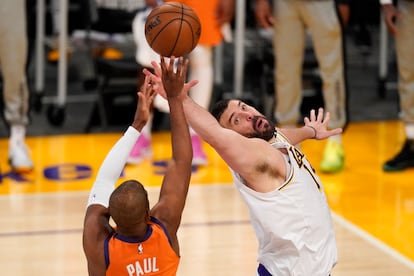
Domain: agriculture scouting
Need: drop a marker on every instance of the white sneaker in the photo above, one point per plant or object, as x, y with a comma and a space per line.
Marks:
19, 158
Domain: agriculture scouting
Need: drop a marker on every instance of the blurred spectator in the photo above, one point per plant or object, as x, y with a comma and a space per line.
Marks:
400, 22
291, 20
13, 59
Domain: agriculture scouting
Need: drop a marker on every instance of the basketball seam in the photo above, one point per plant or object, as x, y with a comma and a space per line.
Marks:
179, 31
186, 17
193, 33
162, 29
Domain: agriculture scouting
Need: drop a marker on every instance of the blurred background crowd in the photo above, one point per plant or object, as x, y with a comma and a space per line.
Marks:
83, 66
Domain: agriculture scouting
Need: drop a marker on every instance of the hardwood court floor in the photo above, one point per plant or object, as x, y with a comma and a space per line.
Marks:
42, 212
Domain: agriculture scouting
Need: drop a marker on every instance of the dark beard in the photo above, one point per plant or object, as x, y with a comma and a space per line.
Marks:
265, 134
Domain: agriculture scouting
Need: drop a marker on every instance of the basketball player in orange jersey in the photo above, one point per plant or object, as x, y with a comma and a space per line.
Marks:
213, 15
285, 197
144, 240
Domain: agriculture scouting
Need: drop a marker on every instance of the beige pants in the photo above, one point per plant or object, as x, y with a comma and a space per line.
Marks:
405, 55
13, 55
293, 19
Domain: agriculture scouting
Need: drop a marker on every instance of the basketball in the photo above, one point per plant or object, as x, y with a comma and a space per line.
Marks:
172, 29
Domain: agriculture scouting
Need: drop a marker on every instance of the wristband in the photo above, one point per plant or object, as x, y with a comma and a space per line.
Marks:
314, 130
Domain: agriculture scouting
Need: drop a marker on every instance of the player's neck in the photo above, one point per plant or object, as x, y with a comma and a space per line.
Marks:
139, 231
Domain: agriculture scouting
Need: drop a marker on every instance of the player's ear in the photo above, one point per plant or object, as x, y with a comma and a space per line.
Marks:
147, 217
147, 214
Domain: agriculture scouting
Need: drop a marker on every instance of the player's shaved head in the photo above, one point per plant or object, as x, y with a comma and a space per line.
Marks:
128, 204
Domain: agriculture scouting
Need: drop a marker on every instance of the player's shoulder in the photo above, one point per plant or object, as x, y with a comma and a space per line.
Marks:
281, 137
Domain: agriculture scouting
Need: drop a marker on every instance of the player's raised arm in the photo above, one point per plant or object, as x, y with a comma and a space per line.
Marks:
238, 151
96, 222
177, 178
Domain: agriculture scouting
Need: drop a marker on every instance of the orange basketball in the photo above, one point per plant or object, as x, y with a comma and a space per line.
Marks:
172, 29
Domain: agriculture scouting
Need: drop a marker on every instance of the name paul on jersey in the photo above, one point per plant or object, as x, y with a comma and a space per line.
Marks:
145, 266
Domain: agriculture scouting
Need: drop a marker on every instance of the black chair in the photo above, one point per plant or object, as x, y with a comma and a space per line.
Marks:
116, 79
116, 91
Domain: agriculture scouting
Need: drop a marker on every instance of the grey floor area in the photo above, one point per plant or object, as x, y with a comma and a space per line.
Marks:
364, 101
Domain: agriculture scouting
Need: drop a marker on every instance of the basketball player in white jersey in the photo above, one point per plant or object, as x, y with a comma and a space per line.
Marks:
287, 204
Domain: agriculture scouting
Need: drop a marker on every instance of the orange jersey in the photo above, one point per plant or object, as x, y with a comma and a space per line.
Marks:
152, 255
210, 31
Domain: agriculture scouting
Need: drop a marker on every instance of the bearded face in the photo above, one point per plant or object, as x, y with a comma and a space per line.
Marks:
262, 128
244, 119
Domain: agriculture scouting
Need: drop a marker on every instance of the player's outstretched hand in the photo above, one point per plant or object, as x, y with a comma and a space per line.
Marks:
145, 98
319, 123
156, 80
173, 78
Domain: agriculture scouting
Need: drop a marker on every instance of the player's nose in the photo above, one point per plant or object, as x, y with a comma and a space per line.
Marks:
248, 116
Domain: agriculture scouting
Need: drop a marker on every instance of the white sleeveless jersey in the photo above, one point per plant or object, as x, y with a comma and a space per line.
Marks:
293, 223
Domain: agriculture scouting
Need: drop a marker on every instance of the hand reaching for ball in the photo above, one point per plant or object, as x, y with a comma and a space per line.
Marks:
156, 78
173, 79
146, 96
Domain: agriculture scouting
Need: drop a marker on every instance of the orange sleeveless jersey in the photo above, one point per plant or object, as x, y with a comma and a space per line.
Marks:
210, 32
152, 255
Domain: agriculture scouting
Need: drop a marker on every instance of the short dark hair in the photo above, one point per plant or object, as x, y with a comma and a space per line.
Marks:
219, 107
128, 203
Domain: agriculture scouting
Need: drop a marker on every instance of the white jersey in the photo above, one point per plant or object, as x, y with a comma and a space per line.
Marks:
293, 223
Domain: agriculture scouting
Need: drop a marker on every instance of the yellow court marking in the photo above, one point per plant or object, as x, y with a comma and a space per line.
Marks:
70, 163
380, 203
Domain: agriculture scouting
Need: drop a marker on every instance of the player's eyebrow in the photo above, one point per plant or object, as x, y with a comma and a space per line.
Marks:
232, 114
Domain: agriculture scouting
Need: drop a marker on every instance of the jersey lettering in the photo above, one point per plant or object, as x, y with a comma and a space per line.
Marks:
148, 265
298, 155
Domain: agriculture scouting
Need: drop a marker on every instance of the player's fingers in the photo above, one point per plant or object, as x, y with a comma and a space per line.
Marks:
185, 67
192, 83
144, 87
157, 68
141, 100
312, 115
162, 64
152, 96
146, 72
155, 81
320, 116
335, 131
179, 66
171, 65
